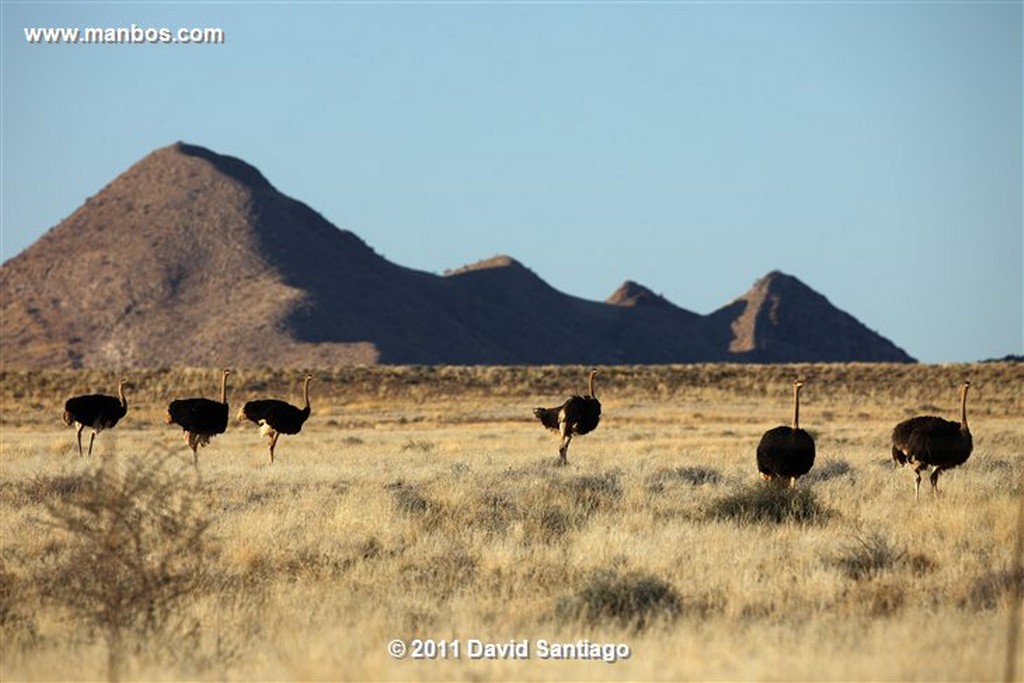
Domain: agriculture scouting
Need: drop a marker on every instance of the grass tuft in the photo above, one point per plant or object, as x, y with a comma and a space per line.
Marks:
408, 499
42, 488
830, 469
630, 601
692, 475
418, 445
496, 512
590, 493
557, 507
990, 590
866, 557
766, 504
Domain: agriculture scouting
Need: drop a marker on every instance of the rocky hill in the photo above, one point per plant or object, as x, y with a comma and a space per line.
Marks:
194, 258
783, 320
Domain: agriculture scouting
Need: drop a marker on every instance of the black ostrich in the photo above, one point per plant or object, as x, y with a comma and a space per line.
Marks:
929, 441
786, 452
579, 415
97, 411
201, 418
277, 417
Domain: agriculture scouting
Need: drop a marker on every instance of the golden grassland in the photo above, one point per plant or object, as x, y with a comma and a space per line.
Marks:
425, 503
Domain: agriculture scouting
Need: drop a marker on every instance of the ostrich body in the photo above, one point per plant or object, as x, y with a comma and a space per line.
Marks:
97, 411
579, 415
929, 441
786, 452
277, 417
201, 418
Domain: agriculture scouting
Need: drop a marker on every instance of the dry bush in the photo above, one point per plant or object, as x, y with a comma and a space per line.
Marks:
763, 503
593, 493
495, 511
43, 488
135, 549
868, 556
409, 500
557, 507
989, 590
418, 445
693, 475
633, 601
828, 470
16, 618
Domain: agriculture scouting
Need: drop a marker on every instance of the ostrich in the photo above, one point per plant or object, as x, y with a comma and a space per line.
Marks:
786, 452
277, 417
928, 441
98, 411
201, 418
579, 415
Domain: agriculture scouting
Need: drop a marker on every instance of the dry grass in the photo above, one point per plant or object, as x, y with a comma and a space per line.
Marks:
425, 503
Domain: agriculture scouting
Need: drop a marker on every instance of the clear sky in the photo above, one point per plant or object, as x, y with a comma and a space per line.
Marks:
872, 149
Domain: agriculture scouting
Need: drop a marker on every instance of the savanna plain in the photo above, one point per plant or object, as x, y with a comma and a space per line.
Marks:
426, 503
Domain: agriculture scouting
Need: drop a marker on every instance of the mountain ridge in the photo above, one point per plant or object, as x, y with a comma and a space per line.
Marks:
190, 257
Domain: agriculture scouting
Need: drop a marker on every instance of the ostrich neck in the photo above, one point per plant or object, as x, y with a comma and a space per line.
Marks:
593, 394
305, 394
963, 411
120, 395
796, 407
224, 388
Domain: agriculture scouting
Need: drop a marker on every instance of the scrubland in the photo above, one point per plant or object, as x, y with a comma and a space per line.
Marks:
426, 503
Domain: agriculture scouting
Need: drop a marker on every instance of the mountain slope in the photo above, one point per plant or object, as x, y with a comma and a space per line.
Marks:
194, 258
165, 266
780, 319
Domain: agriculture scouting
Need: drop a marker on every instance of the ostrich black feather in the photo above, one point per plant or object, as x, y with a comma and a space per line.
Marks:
577, 416
928, 441
97, 411
277, 417
786, 453
199, 415
201, 418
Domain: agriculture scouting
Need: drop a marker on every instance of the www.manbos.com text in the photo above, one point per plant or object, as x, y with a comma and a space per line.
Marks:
123, 35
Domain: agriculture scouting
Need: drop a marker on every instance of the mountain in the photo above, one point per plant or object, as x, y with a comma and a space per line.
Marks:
633, 295
193, 258
783, 320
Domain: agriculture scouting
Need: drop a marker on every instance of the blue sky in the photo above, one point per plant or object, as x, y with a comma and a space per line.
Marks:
874, 150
